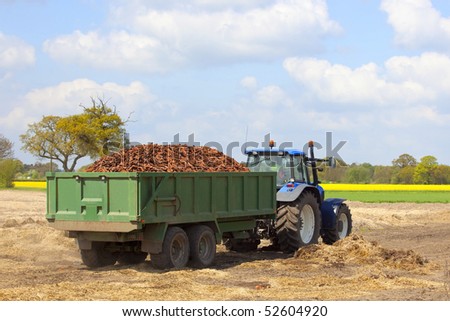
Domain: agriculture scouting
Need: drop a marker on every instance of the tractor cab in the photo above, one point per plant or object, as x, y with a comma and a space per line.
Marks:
295, 169
289, 164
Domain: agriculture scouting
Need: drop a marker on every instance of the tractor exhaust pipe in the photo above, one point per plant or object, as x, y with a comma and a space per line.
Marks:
313, 163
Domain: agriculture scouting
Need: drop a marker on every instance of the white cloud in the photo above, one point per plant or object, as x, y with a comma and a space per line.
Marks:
16, 119
66, 97
401, 82
417, 24
15, 53
204, 4
158, 40
231, 3
284, 26
403, 98
118, 50
249, 82
432, 70
272, 96
4, 77
414, 116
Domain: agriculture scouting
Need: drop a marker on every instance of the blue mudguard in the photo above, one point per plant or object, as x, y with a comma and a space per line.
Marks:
290, 192
329, 208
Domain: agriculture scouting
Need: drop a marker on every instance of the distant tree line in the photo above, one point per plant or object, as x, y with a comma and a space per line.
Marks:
404, 170
36, 170
8, 165
12, 169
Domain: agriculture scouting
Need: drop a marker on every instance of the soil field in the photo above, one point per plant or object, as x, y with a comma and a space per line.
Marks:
398, 251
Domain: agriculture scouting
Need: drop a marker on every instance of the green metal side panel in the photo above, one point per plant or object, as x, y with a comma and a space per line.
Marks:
178, 198
124, 202
91, 201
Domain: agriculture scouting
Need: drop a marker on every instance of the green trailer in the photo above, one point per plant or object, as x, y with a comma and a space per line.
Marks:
177, 218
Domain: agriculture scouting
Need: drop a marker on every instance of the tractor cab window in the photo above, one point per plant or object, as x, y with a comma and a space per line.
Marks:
270, 163
263, 163
300, 172
286, 166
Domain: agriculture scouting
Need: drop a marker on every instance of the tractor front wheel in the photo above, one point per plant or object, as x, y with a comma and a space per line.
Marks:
342, 228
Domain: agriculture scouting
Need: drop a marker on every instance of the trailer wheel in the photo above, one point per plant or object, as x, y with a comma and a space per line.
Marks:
175, 250
202, 244
98, 256
343, 226
298, 223
132, 257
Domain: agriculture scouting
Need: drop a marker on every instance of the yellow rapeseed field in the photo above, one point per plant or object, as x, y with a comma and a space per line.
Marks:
384, 187
30, 184
327, 187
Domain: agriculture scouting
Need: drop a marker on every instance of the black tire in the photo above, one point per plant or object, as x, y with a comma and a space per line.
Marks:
343, 227
98, 256
298, 223
202, 245
132, 257
175, 250
241, 245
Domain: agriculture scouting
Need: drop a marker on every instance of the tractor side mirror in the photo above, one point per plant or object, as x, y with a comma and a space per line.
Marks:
332, 162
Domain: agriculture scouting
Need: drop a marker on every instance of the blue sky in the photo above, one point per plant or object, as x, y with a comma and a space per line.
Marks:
374, 73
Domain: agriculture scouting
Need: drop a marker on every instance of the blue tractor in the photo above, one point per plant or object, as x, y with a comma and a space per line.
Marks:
303, 213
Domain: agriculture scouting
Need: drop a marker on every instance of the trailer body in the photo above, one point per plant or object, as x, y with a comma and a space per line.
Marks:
132, 212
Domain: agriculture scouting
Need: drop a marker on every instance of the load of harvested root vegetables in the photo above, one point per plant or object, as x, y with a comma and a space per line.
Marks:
167, 158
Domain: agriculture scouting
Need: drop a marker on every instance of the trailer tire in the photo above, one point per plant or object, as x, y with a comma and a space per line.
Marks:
343, 227
175, 250
202, 245
132, 257
298, 223
98, 256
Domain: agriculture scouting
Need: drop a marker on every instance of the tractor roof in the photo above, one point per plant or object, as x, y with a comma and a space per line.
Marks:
275, 151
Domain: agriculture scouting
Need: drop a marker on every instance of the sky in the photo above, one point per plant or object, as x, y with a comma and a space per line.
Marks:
374, 74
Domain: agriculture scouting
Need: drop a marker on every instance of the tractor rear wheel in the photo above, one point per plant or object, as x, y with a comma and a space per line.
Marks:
175, 250
298, 223
343, 226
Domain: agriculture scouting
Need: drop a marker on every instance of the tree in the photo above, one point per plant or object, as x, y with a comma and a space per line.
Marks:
424, 172
382, 174
442, 174
8, 169
359, 173
404, 160
404, 175
36, 170
333, 174
6, 148
68, 139
404, 168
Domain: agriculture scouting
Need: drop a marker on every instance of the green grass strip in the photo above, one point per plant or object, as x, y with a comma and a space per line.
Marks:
392, 196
